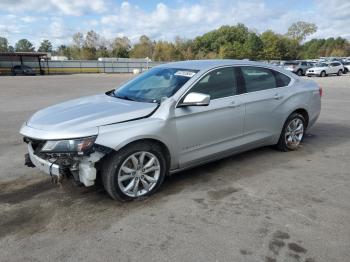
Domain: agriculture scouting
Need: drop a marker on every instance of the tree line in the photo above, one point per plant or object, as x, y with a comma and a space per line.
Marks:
237, 42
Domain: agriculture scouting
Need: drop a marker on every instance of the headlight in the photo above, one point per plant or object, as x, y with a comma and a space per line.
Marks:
79, 145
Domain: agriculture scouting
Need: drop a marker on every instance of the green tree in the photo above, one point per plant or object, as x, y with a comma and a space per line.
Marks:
102, 51
300, 30
3, 44
272, 45
183, 49
91, 39
64, 50
45, 46
316, 48
24, 45
252, 47
91, 43
75, 48
164, 51
144, 48
121, 47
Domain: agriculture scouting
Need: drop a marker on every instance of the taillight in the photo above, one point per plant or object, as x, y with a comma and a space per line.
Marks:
320, 90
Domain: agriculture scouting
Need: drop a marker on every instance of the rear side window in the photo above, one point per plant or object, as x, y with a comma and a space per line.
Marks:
258, 78
218, 83
281, 79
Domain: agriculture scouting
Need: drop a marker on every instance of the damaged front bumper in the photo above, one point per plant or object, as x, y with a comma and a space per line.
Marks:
44, 165
82, 168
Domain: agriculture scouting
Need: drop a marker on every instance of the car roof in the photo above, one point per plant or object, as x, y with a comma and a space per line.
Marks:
209, 64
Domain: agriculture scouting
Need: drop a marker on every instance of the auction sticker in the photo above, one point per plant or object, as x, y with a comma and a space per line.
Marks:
185, 73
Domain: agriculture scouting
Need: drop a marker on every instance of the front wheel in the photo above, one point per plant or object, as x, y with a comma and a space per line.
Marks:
340, 72
300, 72
292, 133
135, 171
323, 74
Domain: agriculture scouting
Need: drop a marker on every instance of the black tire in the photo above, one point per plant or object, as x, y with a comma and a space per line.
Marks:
340, 72
323, 74
282, 145
300, 72
346, 70
112, 164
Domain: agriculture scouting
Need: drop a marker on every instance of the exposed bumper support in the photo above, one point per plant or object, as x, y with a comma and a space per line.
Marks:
44, 165
86, 170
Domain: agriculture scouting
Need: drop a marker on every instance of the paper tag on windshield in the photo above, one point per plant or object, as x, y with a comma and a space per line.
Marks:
185, 73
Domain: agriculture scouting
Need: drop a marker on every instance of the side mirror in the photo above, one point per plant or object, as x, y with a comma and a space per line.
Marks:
195, 99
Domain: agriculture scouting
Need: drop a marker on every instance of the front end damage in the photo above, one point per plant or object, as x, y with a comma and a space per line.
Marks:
82, 167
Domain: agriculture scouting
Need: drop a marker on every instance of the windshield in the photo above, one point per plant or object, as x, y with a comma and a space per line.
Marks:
155, 84
321, 65
291, 63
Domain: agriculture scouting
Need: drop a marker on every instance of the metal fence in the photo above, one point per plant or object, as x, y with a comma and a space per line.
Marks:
120, 65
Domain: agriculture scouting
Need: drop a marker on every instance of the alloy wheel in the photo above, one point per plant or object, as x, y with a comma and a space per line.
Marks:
294, 133
139, 174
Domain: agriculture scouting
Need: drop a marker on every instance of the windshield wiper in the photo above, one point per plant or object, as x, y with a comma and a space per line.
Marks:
125, 97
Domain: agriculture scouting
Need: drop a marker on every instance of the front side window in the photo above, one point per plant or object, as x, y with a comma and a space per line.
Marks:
258, 78
155, 84
218, 83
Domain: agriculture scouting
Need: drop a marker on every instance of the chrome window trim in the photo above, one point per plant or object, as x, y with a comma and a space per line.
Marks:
292, 80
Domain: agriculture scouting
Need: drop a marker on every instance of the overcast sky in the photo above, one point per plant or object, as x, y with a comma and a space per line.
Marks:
57, 20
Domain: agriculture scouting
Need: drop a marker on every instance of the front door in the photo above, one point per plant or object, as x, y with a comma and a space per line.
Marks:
204, 131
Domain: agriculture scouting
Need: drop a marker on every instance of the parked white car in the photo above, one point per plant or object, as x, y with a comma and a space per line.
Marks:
324, 69
346, 67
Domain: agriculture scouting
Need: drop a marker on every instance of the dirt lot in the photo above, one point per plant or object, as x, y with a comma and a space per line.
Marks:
262, 205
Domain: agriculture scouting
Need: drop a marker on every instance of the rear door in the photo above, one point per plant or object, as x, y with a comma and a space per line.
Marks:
266, 90
204, 131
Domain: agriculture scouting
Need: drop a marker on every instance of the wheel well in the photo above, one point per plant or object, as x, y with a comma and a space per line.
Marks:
304, 113
163, 147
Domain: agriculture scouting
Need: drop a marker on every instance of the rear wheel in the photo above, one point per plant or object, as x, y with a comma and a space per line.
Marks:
340, 72
135, 171
323, 74
292, 133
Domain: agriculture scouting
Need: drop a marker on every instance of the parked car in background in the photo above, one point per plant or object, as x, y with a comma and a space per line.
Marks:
297, 67
22, 70
346, 67
323, 69
172, 117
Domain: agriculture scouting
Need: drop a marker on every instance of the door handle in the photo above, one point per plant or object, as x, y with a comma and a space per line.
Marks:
277, 96
234, 104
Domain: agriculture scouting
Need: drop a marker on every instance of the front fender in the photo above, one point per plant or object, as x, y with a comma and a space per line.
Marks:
117, 136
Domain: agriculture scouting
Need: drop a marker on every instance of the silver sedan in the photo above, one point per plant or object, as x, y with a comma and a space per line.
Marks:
170, 118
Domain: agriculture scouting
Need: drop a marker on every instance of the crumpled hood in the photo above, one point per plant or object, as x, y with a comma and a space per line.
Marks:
88, 112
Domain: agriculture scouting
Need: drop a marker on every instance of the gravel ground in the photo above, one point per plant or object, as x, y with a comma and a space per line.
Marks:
262, 205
